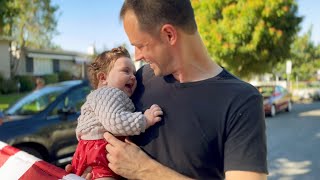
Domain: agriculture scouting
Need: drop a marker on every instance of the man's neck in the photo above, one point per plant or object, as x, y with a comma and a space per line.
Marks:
195, 63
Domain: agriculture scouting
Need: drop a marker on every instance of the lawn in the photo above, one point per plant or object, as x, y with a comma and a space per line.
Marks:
7, 99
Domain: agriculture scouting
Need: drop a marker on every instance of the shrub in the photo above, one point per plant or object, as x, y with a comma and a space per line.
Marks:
64, 76
50, 78
1, 80
9, 86
26, 82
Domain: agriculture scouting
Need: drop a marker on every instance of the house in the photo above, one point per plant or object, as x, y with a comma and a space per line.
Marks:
40, 62
5, 57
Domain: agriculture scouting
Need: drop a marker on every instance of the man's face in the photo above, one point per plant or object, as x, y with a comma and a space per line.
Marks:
148, 48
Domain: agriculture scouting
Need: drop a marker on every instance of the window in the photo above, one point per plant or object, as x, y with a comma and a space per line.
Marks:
56, 67
29, 64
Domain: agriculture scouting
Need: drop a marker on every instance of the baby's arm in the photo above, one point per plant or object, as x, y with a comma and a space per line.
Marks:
114, 110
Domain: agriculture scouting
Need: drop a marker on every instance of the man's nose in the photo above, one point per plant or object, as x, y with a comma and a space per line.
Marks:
137, 54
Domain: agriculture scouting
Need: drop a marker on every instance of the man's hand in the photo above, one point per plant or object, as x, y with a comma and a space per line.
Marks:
126, 158
86, 174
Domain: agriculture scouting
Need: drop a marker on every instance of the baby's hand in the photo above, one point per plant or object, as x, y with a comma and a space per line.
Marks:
152, 115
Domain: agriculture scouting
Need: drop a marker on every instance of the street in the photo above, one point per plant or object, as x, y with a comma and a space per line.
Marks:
294, 143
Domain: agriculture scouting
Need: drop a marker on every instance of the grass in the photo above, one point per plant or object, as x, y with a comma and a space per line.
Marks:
8, 99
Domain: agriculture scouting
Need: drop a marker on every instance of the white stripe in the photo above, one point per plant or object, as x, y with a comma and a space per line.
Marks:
2, 145
17, 165
72, 177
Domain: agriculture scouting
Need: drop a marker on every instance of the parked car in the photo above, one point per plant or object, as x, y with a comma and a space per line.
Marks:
43, 122
275, 98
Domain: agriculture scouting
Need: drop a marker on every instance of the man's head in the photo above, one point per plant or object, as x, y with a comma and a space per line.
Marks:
152, 14
153, 27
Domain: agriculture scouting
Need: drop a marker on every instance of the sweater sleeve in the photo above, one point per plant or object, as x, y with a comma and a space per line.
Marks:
114, 109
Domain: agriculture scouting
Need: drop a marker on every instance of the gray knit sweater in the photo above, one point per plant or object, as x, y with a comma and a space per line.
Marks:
109, 109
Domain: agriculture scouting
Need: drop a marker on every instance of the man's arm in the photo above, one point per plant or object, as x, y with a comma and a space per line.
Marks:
234, 175
129, 161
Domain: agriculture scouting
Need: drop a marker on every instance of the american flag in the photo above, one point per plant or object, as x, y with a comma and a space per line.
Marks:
19, 165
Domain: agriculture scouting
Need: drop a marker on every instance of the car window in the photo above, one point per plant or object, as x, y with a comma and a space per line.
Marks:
74, 100
35, 102
266, 90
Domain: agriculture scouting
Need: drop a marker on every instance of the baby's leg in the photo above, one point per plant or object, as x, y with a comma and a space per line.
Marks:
106, 178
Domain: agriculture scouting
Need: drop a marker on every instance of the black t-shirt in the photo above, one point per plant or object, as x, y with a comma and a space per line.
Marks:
208, 127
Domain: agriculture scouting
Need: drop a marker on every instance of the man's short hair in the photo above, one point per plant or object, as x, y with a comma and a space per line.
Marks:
152, 14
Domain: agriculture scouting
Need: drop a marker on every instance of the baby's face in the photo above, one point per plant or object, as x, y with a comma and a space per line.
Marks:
122, 76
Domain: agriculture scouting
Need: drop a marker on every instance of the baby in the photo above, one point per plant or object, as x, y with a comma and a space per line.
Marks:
109, 108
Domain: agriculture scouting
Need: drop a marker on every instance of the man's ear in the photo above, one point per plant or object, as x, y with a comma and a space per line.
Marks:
169, 32
102, 78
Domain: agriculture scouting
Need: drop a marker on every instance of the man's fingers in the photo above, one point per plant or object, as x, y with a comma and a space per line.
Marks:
89, 176
112, 140
87, 173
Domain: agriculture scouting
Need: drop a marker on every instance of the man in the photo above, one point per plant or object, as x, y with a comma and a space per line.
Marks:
213, 125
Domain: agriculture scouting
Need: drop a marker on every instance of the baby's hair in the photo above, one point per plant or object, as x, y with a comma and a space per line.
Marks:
104, 63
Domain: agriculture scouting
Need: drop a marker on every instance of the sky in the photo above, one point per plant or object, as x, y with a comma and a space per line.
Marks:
83, 23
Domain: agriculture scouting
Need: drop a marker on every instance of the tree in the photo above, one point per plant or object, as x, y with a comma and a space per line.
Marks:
31, 23
247, 37
305, 57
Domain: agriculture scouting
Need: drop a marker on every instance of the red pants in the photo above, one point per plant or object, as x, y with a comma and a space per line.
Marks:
92, 153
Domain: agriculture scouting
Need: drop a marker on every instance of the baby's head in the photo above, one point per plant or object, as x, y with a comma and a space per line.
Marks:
113, 68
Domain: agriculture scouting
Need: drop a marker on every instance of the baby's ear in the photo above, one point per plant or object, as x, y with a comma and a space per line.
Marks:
102, 78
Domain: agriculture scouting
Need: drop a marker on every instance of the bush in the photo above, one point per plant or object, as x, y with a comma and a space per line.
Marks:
64, 76
26, 82
1, 80
50, 78
9, 86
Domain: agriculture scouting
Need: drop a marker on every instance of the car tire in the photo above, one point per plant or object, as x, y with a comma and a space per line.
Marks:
273, 111
31, 151
289, 108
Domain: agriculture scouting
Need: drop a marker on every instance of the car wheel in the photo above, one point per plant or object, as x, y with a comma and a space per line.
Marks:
273, 111
289, 108
31, 151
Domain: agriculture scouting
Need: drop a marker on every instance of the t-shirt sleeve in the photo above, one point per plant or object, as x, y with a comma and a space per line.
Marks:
245, 145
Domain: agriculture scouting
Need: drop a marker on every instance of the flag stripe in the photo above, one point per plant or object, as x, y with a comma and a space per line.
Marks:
34, 172
15, 167
6, 152
19, 165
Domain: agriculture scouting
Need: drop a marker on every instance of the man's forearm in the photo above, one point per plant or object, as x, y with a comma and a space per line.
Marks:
153, 170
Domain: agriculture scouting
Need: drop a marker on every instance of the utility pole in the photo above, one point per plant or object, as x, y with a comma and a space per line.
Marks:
288, 71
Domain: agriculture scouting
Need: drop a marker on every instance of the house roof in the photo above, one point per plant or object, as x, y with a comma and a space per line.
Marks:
58, 54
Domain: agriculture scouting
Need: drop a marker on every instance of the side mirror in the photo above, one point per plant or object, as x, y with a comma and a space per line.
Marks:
64, 112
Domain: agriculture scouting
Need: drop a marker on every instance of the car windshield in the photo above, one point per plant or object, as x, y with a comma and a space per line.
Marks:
36, 101
266, 91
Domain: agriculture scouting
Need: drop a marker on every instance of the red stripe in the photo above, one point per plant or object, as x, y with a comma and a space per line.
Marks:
43, 170
6, 152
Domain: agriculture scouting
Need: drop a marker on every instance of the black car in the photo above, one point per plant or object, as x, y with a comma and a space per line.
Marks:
43, 122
